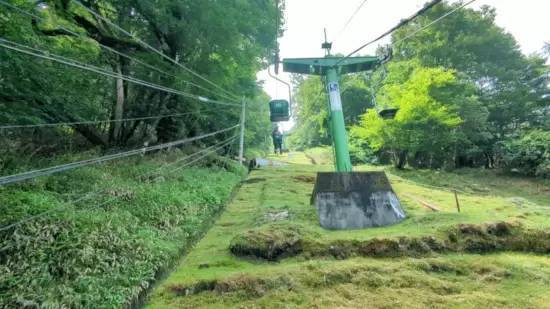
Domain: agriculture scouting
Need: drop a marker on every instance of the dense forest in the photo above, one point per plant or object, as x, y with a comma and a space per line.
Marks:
225, 43
467, 97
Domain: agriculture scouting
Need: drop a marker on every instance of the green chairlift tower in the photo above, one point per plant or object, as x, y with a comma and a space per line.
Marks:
345, 199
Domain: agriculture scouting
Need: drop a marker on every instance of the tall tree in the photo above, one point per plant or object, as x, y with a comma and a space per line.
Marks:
224, 41
507, 83
423, 128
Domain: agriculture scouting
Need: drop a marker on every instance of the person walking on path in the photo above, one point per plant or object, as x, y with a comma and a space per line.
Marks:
277, 140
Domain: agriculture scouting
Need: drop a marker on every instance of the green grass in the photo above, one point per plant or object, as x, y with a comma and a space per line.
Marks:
500, 280
107, 250
315, 156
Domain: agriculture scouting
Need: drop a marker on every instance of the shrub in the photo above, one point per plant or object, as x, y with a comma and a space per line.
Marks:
530, 154
106, 251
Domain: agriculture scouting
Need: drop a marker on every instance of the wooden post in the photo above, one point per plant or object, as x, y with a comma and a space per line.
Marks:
456, 199
241, 142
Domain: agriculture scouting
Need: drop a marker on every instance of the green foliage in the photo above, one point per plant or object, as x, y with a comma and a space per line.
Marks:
311, 114
496, 92
312, 107
360, 151
106, 250
420, 115
226, 42
510, 87
530, 154
258, 126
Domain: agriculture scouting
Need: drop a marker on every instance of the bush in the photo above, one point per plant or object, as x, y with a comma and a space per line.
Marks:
106, 251
530, 154
360, 152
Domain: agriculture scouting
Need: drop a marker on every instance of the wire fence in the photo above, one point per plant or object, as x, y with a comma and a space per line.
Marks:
65, 167
30, 51
195, 157
91, 122
168, 168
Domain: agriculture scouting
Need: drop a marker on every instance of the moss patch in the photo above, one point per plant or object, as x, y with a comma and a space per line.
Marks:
434, 277
272, 242
275, 242
304, 178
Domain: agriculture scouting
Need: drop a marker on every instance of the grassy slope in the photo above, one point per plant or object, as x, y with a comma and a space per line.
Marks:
502, 280
104, 251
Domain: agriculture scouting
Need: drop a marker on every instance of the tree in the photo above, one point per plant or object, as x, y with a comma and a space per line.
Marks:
311, 113
423, 128
529, 154
312, 109
225, 42
508, 84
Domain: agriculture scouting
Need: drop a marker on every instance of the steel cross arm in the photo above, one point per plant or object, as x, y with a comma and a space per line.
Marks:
320, 66
332, 67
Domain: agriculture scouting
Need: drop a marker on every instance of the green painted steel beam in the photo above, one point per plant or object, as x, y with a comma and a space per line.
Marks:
338, 125
332, 68
321, 66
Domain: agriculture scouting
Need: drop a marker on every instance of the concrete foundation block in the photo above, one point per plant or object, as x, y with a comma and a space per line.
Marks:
355, 200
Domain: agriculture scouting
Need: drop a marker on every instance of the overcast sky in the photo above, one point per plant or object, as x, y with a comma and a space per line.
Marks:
526, 20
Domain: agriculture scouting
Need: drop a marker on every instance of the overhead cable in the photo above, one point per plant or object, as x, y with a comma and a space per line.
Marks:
363, 2
74, 63
160, 53
435, 21
88, 122
393, 29
110, 49
65, 167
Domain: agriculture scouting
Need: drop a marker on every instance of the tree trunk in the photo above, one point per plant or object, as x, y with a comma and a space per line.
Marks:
118, 110
488, 160
91, 134
401, 159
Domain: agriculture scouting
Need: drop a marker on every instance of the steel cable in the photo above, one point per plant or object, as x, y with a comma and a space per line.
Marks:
350, 20
88, 122
88, 67
2, 2
95, 193
435, 21
160, 53
393, 29
65, 167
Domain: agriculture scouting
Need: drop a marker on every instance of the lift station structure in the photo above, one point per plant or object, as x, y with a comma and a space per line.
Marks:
346, 199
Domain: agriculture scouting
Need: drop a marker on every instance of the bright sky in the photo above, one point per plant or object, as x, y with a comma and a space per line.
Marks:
526, 20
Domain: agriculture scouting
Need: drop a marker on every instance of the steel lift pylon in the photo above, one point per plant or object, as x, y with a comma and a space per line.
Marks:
346, 199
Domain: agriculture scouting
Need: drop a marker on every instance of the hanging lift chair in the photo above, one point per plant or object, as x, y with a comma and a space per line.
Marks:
279, 110
388, 113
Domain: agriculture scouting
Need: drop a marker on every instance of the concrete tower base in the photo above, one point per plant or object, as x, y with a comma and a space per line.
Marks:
355, 200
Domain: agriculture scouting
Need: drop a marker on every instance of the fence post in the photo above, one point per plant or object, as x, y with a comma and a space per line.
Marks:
456, 199
241, 145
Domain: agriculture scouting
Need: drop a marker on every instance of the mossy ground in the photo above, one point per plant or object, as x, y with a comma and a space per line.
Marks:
211, 276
